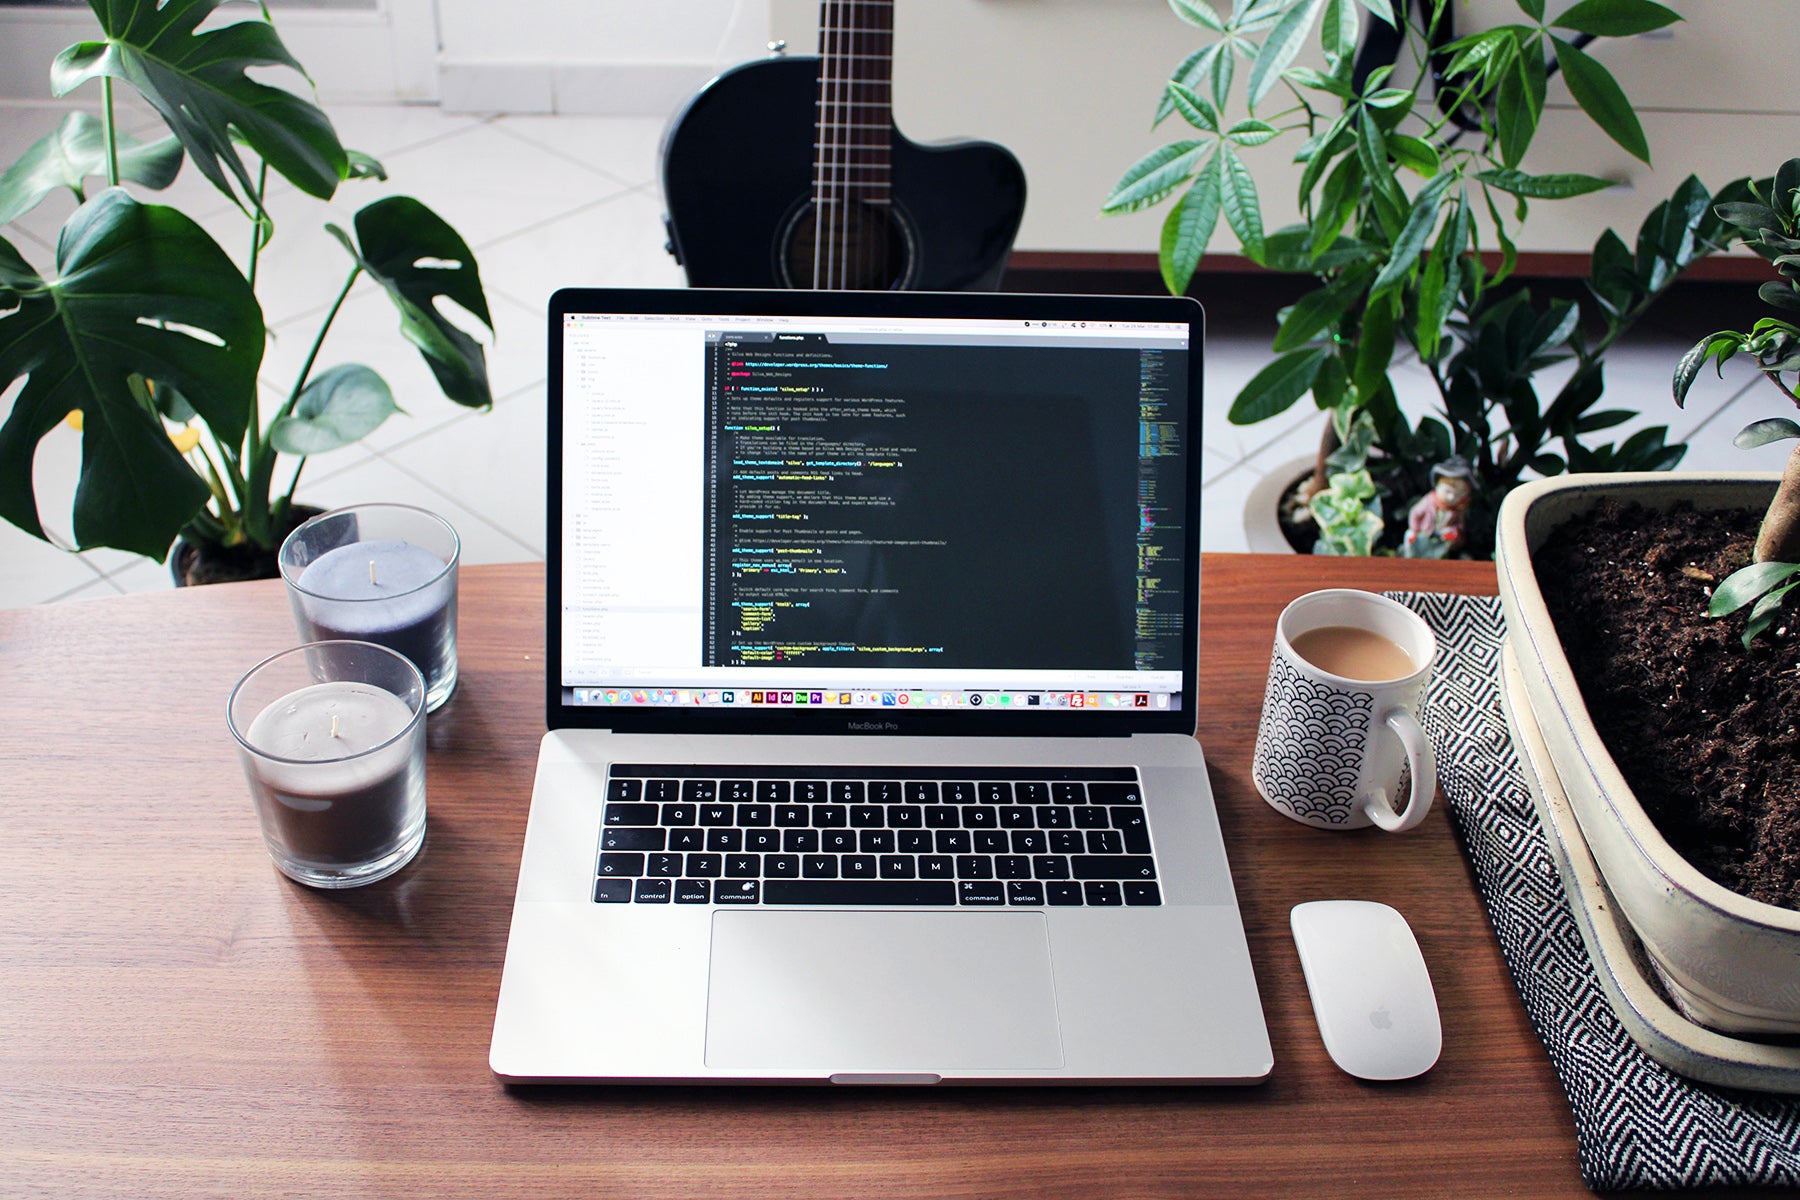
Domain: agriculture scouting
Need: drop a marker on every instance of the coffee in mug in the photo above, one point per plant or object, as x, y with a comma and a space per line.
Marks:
1354, 653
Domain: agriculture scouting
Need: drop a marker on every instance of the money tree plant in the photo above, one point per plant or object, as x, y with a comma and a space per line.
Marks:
147, 335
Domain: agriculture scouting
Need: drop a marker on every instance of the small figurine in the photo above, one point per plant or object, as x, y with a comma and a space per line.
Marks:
1434, 526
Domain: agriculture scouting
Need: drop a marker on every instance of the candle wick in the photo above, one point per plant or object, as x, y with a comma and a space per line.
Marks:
334, 728
372, 578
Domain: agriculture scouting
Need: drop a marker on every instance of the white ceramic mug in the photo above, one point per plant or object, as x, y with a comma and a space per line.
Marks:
1333, 751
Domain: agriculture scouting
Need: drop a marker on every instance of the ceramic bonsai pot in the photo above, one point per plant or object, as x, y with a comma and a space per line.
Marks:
1727, 962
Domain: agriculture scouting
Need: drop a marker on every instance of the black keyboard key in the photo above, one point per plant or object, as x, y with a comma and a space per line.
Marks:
724, 841
1091, 817
771, 792
1127, 819
612, 891
662, 791
699, 791
958, 793
1032, 793
1141, 893
1012, 866
1101, 893
1112, 866
849, 793
1105, 841
737, 791
1067, 841
1068, 793
743, 866
693, 891
974, 866
942, 816
937, 866
886, 791
1030, 841
791, 816
654, 891
633, 839
896, 866
1115, 793
995, 793
811, 791
981, 892
621, 865
838, 841
679, 814
830, 816
1016, 816
1025, 892
762, 841
689, 838
868, 816
910, 892
1053, 816
1050, 866
991, 841
905, 816
666, 865
914, 841
1062, 894
630, 814
875, 841
781, 866
624, 791
953, 841
858, 866
737, 891
800, 841
980, 816
921, 793
718, 814
819, 866
705, 866
750, 815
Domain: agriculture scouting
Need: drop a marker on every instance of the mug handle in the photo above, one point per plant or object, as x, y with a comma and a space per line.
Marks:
1424, 776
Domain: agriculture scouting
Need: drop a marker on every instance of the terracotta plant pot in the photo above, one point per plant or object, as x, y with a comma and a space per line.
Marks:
1727, 962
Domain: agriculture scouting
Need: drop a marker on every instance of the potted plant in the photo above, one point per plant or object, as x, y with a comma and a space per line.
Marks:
148, 335
1393, 187
1682, 780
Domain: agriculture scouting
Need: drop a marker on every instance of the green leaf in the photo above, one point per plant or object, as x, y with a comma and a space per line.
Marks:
1518, 106
139, 291
1602, 99
76, 152
1243, 211
1382, 10
1533, 9
1339, 31
1720, 346
338, 407
1274, 389
1188, 229
1741, 587
1616, 18
1318, 310
1193, 109
1280, 48
197, 81
1543, 187
1198, 12
420, 260
1252, 132
1154, 177
1413, 235
1415, 154
1762, 433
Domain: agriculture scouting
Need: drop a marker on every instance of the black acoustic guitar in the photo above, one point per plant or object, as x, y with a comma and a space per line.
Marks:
789, 173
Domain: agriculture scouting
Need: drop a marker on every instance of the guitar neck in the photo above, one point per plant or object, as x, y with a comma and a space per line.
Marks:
855, 108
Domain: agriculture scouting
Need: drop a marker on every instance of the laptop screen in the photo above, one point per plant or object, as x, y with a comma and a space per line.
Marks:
883, 512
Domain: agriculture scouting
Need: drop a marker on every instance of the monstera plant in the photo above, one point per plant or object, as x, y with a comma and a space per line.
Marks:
148, 336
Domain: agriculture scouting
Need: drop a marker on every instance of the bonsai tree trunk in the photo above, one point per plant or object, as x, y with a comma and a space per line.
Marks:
1779, 538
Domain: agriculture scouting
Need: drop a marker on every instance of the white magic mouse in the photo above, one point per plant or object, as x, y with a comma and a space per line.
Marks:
1370, 990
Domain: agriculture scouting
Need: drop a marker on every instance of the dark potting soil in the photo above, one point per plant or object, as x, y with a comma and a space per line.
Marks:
1706, 732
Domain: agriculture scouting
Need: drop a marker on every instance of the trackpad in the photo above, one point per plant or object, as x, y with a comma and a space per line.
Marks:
881, 991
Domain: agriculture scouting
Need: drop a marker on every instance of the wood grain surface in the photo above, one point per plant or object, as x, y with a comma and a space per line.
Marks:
179, 1020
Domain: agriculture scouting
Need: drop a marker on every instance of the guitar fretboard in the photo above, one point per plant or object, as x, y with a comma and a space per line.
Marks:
851, 164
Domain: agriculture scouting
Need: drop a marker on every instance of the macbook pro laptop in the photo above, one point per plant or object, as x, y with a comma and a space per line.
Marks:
872, 632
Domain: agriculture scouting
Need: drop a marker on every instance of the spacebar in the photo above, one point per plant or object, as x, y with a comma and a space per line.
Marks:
858, 891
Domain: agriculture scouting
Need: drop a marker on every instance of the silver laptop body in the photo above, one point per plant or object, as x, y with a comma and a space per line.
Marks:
872, 631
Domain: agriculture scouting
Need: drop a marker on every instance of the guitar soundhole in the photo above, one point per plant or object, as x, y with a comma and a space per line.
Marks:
857, 246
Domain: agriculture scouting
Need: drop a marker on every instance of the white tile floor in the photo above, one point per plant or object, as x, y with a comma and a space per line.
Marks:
551, 201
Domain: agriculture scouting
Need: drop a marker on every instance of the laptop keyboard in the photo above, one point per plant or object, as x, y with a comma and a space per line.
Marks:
826, 836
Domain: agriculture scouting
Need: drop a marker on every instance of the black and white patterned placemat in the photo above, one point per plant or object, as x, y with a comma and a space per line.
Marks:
1637, 1124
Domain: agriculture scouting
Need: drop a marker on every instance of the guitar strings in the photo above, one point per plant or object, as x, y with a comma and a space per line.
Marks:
850, 187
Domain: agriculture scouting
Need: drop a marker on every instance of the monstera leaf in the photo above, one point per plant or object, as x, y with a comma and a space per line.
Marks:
418, 258
139, 292
198, 83
72, 154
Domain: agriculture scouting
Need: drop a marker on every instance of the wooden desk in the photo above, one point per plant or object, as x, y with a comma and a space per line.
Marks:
177, 1019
